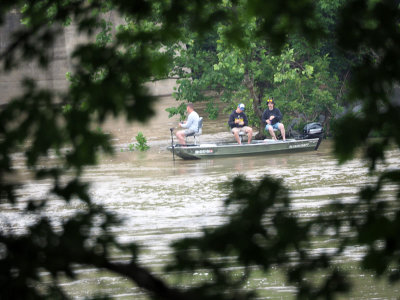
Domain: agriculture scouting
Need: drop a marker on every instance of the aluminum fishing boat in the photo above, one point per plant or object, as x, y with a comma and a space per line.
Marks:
309, 140
233, 149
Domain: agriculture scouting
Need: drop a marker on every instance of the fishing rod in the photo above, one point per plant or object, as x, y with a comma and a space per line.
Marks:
172, 143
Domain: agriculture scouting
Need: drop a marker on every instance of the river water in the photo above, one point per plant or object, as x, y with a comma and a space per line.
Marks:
161, 200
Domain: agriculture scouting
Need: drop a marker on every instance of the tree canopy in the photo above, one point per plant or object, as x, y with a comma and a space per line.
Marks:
307, 80
108, 79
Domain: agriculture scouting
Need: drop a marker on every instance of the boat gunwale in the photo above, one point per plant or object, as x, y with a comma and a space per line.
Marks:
254, 143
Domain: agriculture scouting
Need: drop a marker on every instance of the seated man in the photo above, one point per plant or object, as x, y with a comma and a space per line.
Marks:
272, 117
191, 125
238, 122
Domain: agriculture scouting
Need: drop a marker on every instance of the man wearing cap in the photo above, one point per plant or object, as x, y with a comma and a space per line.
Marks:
238, 122
272, 117
190, 126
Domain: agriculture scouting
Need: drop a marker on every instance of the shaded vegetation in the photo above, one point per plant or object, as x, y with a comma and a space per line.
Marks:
109, 78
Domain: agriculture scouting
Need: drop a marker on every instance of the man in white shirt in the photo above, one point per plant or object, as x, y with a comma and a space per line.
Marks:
191, 125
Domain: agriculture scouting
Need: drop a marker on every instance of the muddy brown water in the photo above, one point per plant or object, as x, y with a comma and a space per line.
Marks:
161, 200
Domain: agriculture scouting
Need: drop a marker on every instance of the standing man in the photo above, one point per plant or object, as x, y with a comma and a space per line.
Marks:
191, 125
272, 116
238, 122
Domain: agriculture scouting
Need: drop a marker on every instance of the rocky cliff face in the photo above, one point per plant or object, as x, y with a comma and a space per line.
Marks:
53, 77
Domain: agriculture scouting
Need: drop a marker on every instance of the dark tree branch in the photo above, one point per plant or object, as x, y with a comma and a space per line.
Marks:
144, 279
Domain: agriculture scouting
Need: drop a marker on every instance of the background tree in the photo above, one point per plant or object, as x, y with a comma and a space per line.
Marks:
261, 230
308, 81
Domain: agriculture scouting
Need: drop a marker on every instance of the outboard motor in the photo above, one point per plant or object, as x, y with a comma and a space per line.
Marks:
313, 130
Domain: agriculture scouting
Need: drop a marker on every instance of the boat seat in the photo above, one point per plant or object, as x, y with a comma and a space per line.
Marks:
241, 135
197, 134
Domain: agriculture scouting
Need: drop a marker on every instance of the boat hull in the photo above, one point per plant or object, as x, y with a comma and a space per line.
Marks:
256, 147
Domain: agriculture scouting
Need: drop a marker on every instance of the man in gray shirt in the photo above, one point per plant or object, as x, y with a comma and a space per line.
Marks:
191, 125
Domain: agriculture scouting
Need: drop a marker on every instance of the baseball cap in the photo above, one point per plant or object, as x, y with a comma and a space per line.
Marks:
241, 106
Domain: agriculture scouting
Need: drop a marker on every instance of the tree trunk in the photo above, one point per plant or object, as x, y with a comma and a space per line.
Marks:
249, 83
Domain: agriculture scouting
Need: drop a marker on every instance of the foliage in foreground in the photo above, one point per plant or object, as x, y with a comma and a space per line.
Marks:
109, 79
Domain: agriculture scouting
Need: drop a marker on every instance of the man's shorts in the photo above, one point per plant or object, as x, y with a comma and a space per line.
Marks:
275, 126
189, 132
241, 129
